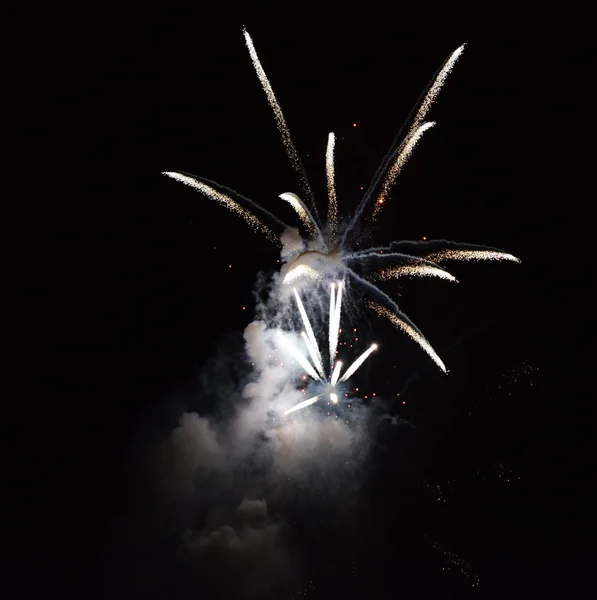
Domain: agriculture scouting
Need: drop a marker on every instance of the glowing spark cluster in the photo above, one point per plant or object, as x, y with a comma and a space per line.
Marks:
228, 202
310, 341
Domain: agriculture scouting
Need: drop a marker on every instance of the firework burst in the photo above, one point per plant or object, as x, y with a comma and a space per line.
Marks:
326, 254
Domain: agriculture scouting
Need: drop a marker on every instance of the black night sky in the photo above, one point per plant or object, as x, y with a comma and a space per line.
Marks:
130, 284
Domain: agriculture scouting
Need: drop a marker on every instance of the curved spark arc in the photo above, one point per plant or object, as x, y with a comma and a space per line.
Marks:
399, 319
333, 202
424, 104
302, 211
402, 157
414, 271
411, 331
232, 193
451, 254
435, 89
303, 404
309, 330
300, 271
228, 202
280, 120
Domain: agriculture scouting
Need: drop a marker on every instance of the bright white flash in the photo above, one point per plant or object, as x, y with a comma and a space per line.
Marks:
334, 397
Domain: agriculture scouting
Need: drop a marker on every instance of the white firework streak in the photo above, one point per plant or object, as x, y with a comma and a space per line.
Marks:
301, 211
403, 155
336, 373
303, 404
313, 353
228, 202
278, 115
412, 333
333, 202
435, 89
310, 334
357, 363
332, 331
300, 271
296, 353
450, 254
415, 271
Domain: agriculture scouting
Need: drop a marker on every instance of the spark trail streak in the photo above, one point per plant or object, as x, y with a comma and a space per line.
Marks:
334, 319
309, 330
450, 254
303, 404
313, 354
333, 203
414, 271
228, 202
402, 158
435, 89
280, 120
357, 363
336, 373
296, 353
410, 331
302, 211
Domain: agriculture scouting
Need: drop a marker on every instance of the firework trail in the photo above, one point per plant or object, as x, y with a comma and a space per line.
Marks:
280, 121
413, 271
357, 363
451, 254
333, 202
302, 211
403, 155
228, 202
303, 404
411, 331
313, 349
310, 335
334, 320
422, 107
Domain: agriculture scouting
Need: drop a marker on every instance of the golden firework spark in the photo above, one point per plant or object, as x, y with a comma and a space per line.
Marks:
228, 202
412, 333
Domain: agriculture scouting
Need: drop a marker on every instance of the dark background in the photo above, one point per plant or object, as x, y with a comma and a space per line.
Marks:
124, 286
